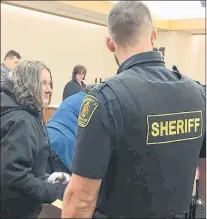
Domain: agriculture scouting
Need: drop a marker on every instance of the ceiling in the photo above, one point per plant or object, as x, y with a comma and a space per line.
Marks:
96, 12
175, 9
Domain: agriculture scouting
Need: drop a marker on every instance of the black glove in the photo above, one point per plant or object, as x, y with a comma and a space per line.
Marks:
61, 189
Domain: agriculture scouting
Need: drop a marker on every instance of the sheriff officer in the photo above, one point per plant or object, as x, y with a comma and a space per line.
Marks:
140, 132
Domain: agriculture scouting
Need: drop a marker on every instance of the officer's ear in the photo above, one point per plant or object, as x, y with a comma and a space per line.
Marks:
154, 37
110, 44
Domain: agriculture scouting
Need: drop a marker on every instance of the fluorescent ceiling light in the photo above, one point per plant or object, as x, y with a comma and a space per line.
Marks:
175, 9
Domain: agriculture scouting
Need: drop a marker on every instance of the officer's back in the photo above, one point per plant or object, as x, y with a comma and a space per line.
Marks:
140, 132
157, 148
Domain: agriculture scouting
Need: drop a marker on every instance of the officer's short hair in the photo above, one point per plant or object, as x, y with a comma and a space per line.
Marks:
11, 54
129, 20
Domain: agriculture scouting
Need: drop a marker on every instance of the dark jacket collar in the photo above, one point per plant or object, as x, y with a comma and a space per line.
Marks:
4, 67
142, 59
75, 81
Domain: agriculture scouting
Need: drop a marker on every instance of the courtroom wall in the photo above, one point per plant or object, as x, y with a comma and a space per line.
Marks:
200, 70
185, 50
63, 43
59, 42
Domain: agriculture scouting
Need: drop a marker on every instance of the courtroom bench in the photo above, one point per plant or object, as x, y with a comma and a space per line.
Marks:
48, 112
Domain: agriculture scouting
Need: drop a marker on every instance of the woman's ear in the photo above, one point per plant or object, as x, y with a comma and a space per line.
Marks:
110, 44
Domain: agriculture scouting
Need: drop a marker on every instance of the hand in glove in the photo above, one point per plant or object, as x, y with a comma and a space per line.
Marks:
58, 177
61, 189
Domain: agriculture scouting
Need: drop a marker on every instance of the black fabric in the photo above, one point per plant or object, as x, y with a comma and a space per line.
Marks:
72, 87
202, 89
60, 166
83, 164
183, 215
150, 176
24, 154
203, 149
155, 168
140, 180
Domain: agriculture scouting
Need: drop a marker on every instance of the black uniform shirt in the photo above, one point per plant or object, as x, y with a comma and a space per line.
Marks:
93, 146
101, 125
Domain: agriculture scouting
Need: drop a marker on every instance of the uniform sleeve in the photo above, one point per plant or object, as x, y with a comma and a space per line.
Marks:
93, 147
18, 148
203, 149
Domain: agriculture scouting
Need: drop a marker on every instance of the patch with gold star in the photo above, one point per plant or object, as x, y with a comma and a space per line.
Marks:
89, 105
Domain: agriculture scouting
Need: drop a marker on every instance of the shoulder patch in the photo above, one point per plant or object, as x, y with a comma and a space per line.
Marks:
89, 105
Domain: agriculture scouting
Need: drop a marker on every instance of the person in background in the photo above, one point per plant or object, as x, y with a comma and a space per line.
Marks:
62, 129
76, 84
12, 58
24, 146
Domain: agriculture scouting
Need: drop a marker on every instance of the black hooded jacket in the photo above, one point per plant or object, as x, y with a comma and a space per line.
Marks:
24, 155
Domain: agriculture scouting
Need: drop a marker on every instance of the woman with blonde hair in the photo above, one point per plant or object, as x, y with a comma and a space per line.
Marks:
24, 146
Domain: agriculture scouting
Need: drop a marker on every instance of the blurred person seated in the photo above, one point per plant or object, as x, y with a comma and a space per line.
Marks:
62, 129
11, 59
76, 84
24, 145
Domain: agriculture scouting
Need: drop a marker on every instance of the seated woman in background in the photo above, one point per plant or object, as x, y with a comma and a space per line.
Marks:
62, 129
76, 84
24, 146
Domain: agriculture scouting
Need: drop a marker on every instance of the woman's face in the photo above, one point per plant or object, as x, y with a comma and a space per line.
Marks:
46, 86
79, 76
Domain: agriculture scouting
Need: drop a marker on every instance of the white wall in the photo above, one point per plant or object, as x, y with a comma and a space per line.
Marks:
59, 42
185, 50
200, 44
62, 43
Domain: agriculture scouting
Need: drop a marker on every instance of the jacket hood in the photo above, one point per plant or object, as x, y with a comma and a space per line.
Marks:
9, 102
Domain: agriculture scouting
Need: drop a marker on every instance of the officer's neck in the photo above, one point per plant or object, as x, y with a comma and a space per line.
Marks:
125, 53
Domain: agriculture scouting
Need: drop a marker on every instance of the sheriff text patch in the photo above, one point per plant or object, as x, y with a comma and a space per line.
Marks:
174, 127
